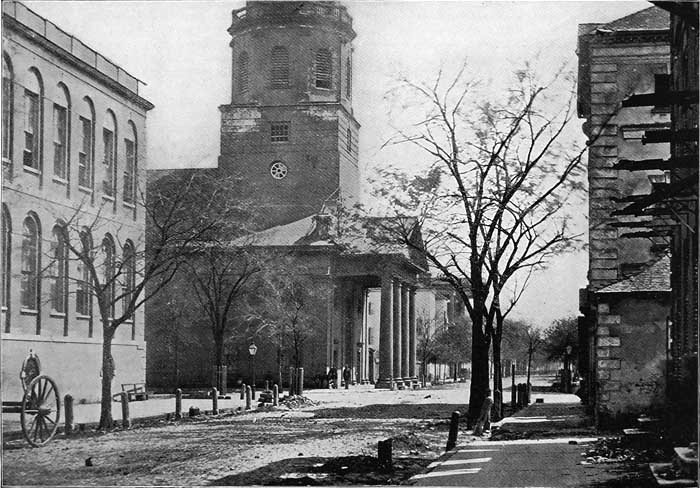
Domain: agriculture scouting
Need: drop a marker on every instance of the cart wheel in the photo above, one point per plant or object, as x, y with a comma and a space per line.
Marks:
41, 411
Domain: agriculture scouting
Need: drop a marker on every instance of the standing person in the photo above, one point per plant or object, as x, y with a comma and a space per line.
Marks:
484, 420
346, 377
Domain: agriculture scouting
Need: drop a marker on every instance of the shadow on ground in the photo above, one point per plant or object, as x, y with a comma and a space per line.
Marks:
323, 471
393, 411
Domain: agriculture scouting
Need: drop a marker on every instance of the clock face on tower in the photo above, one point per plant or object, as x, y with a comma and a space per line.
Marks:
278, 170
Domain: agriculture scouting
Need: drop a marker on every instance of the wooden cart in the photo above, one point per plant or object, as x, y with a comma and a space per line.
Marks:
40, 406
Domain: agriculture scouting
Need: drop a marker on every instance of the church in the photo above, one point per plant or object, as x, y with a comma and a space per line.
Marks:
290, 138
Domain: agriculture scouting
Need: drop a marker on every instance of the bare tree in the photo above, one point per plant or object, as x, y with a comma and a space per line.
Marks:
492, 203
120, 271
289, 310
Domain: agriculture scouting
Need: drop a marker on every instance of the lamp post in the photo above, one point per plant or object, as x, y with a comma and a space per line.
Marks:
567, 369
252, 349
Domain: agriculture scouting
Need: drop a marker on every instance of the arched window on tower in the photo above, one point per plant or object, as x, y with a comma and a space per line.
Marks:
279, 74
323, 69
7, 107
61, 108
243, 75
29, 294
33, 95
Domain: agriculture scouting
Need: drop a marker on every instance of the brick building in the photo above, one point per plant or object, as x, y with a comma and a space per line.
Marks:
73, 146
290, 139
627, 302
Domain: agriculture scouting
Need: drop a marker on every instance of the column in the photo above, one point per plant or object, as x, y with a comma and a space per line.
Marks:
398, 378
412, 331
405, 353
386, 335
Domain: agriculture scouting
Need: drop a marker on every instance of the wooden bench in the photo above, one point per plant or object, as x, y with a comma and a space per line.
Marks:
135, 391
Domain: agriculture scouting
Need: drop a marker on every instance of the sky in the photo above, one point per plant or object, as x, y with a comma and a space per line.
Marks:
180, 49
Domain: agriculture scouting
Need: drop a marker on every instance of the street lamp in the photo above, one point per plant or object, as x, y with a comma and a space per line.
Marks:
567, 368
252, 349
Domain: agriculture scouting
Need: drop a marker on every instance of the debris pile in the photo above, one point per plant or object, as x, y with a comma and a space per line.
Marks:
295, 402
613, 450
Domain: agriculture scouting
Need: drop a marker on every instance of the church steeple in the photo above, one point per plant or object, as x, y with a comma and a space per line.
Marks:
289, 131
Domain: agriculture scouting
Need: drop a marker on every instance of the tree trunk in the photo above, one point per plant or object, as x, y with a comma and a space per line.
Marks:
480, 373
497, 378
106, 420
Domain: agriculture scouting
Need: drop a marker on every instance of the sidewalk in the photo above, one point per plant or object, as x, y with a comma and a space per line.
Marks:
540, 446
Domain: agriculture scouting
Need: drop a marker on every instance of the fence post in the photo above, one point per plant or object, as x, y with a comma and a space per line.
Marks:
292, 388
454, 429
242, 391
275, 395
126, 421
178, 403
512, 387
300, 381
214, 401
68, 402
247, 397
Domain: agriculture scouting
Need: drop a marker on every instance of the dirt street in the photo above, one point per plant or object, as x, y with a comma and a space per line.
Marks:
332, 442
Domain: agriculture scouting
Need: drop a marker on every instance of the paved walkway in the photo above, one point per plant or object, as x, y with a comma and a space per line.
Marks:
540, 446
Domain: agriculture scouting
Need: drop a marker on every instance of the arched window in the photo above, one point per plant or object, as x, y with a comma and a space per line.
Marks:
128, 283
61, 129
87, 143
109, 159
33, 95
279, 73
130, 174
323, 69
59, 270
6, 263
108, 276
243, 83
7, 107
31, 249
348, 78
83, 297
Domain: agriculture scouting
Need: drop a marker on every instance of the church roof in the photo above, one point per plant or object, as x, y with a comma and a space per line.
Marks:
656, 277
358, 236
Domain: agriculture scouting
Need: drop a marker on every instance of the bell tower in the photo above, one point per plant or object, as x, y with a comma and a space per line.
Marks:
289, 132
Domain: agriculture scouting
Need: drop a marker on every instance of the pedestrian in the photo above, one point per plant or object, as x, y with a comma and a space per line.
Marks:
346, 377
484, 421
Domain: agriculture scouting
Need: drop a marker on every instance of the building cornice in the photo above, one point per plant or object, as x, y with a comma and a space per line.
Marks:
14, 25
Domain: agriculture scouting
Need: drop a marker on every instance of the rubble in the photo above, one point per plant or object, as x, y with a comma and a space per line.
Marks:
295, 402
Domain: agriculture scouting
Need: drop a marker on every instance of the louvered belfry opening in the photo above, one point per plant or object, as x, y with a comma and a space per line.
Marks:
280, 67
323, 69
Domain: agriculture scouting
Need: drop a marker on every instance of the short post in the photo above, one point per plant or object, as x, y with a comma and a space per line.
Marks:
247, 397
267, 385
126, 421
214, 401
384, 455
68, 402
275, 395
528, 393
252, 391
243, 391
454, 429
512, 387
300, 381
292, 389
178, 403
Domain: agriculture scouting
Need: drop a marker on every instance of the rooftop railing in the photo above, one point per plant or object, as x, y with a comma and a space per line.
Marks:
50, 31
